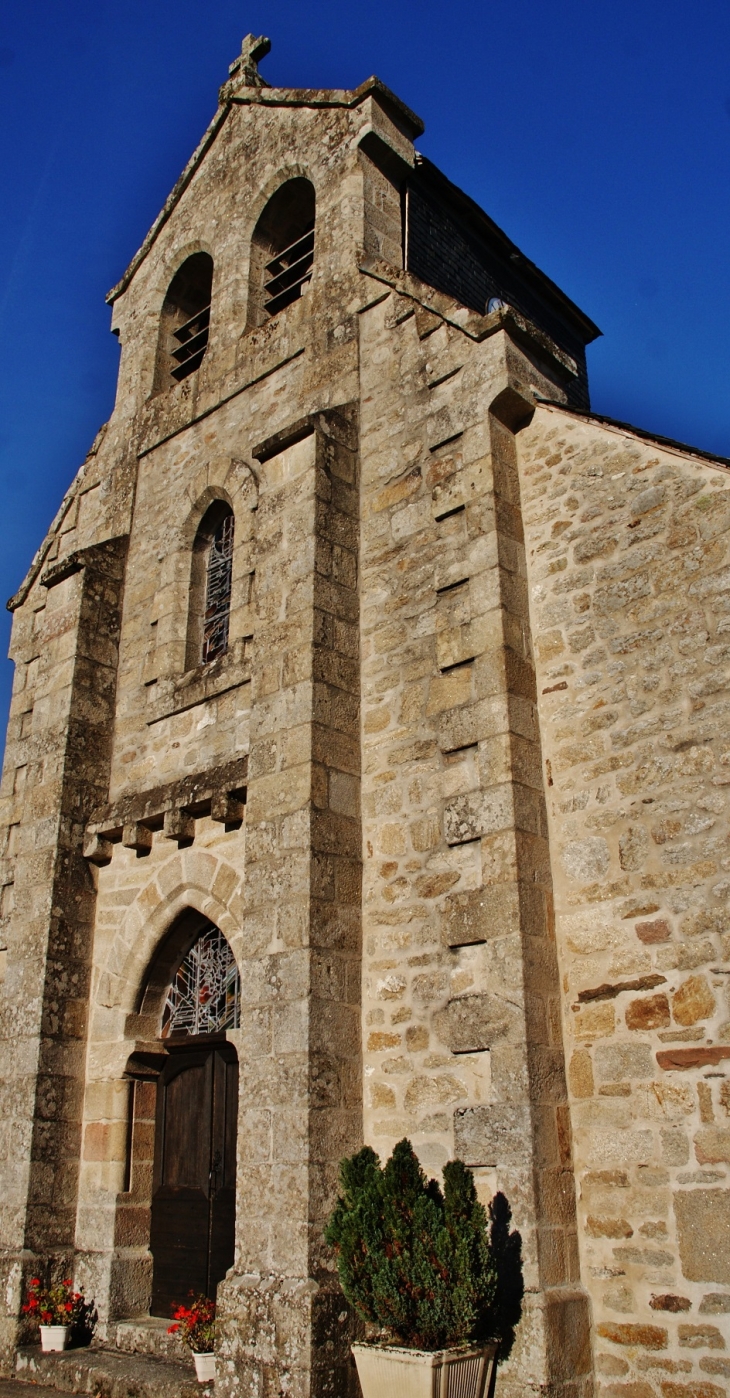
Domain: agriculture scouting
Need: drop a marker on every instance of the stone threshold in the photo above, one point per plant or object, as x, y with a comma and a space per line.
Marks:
146, 1334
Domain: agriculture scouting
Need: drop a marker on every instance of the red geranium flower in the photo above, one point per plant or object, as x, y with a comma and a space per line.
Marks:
196, 1324
53, 1305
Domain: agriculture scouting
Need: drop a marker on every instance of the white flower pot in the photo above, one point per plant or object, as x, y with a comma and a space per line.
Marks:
205, 1367
389, 1371
54, 1337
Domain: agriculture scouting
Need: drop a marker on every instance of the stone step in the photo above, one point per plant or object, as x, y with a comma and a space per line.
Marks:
108, 1373
14, 1388
147, 1334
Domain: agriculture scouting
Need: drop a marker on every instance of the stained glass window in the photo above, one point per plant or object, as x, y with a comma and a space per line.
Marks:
218, 591
205, 993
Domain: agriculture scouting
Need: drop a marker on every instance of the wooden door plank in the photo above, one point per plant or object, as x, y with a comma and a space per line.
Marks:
180, 1222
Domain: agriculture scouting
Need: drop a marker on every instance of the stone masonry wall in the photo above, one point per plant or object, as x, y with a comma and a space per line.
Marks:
56, 770
300, 1079
628, 549
536, 718
149, 476
462, 1046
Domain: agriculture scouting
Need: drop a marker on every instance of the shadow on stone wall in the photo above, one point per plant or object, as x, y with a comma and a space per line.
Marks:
506, 1249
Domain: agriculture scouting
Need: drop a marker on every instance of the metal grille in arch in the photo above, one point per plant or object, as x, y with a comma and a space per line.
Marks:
218, 591
206, 991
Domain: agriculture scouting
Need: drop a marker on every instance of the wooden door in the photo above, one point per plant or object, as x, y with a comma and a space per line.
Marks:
194, 1182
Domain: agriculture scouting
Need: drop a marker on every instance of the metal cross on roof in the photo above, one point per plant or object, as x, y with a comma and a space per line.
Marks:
245, 69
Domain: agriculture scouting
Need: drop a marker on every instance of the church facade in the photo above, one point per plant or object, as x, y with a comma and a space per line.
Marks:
367, 776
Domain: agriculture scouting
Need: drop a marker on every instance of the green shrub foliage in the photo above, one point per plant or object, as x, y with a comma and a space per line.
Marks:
412, 1259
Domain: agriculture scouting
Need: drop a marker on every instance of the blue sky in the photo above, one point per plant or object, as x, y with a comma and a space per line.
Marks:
596, 132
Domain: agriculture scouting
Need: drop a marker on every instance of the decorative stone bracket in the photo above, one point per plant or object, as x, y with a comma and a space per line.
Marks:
174, 808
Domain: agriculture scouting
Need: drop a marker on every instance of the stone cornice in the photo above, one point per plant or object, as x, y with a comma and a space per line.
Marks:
131, 819
473, 325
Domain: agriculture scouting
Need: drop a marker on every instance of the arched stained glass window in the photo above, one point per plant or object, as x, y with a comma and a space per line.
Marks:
205, 994
218, 591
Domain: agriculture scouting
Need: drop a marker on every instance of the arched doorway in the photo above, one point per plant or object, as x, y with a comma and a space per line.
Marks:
194, 1175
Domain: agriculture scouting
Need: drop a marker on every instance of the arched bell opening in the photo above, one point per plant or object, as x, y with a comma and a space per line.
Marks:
180, 1196
282, 251
184, 321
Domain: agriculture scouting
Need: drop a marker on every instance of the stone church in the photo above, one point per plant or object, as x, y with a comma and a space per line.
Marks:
367, 775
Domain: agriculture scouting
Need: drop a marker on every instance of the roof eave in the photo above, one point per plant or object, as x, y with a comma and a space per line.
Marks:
666, 443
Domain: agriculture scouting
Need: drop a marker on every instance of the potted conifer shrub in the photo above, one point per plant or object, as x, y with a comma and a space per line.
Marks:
419, 1266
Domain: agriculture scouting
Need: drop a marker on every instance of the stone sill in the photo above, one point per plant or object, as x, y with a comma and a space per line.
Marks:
168, 697
259, 354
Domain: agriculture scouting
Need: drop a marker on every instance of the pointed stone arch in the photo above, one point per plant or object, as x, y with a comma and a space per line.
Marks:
196, 879
226, 481
122, 1063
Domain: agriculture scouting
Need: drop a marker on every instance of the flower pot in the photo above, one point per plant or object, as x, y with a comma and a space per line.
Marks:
389, 1371
54, 1337
205, 1367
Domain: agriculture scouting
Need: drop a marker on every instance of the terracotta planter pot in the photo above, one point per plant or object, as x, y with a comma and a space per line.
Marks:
388, 1371
54, 1337
205, 1367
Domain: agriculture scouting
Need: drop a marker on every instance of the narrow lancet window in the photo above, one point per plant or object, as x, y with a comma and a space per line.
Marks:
211, 582
218, 591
